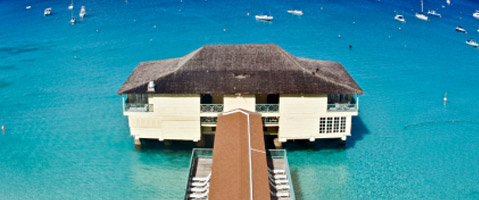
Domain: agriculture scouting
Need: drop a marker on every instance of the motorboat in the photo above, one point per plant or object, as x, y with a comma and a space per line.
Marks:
28, 7
296, 12
460, 29
400, 18
72, 21
476, 14
82, 12
47, 11
434, 13
472, 43
264, 16
448, 2
421, 16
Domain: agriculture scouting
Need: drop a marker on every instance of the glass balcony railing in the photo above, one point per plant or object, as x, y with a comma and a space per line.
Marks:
138, 107
341, 107
208, 120
212, 108
265, 108
270, 120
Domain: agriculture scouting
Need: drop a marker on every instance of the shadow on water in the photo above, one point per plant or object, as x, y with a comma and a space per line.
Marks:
15, 50
4, 84
7, 67
359, 130
295, 180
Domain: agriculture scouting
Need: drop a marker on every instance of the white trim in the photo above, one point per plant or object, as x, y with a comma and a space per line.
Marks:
249, 143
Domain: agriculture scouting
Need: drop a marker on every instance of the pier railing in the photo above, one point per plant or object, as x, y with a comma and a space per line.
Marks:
341, 107
138, 107
281, 154
213, 108
263, 108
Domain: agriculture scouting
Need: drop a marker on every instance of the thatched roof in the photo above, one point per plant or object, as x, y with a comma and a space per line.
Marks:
244, 69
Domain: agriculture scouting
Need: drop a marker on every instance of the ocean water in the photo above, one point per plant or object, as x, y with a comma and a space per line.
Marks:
66, 137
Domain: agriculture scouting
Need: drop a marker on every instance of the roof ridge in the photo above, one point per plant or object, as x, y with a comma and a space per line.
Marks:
294, 60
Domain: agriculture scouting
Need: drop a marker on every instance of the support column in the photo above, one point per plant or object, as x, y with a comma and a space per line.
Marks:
137, 141
277, 144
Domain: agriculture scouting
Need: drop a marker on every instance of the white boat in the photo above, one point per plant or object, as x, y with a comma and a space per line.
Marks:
72, 21
47, 11
448, 2
472, 42
400, 18
264, 17
476, 14
296, 12
433, 12
82, 12
28, 7
460, 29
420, 15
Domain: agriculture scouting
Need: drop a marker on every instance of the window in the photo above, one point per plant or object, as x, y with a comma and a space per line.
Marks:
322, 124
138, 98
336, 125
329, 125
343, 124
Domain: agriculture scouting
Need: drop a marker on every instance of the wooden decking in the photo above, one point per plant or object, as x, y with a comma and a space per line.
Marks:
201, 167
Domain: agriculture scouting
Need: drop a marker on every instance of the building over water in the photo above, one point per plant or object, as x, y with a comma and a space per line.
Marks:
299, 98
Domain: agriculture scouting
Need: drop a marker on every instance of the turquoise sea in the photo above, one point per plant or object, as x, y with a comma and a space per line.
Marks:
66, 137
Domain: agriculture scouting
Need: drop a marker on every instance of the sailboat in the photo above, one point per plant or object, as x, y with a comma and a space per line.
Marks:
72, 20
421, 16
70, 7
82, 12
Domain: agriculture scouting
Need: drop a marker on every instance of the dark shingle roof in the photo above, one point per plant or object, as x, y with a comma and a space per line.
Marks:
245, 69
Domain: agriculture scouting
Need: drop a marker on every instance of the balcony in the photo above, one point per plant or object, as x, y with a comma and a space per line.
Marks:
267, 108
138, 107
211, 108
340, 107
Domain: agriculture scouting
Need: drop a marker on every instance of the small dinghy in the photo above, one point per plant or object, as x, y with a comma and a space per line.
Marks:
399, 18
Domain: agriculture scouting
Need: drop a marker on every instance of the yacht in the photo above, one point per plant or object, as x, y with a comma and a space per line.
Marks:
47, 11
460, 29
472, 42
28, 7
72, 20
448, 2
433, 12
476, 14
82, 12
296, 12
400, 18
264, 16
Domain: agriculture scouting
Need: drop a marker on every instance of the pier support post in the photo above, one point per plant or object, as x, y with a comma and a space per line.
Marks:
277, 144
201, 142
137, 141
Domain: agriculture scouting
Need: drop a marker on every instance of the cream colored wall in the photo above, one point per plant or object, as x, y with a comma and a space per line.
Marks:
247, 102
175, 117
299, 117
